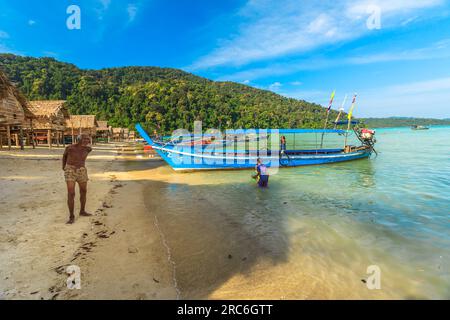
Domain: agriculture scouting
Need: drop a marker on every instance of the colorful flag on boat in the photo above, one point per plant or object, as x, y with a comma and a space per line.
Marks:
331, 100
350, 112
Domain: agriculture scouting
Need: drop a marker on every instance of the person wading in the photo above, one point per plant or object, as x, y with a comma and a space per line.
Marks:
73, 164
261, 174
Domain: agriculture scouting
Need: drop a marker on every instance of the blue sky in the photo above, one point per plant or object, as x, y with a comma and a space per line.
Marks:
300, 49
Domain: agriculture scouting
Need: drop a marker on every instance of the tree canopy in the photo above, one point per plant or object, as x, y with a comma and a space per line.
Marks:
162, 98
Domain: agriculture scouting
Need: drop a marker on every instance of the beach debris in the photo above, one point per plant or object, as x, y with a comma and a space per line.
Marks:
105, 205
60, 269
244, 258
132, 250
363, 281
230, 256
157, 281
34, 292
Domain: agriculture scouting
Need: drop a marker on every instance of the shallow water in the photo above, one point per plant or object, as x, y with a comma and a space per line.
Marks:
315, 230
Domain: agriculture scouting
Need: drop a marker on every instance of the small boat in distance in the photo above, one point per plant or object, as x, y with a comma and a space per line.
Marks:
418, 127
184, 156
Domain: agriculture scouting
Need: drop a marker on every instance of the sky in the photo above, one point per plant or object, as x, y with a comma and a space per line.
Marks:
394, 54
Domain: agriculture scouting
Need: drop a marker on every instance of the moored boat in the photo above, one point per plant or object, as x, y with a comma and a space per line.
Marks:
183, 156
418, 127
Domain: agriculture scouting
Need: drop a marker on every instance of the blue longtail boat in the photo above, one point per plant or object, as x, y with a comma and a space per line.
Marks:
207, 152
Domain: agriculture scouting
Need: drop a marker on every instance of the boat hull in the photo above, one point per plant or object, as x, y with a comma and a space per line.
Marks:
192, 163
195, 158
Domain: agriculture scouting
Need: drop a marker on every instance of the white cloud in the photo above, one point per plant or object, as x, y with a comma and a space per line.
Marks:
275, 86
31, 22
437, 50
132, 10
439, 84
415, 98
276, 29
404, 99
246, 81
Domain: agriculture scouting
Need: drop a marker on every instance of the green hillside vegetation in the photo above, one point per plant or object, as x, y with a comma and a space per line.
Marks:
161, 98
403, 122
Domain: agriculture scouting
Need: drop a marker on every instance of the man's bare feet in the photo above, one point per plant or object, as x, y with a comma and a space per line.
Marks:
85, 214
71, 220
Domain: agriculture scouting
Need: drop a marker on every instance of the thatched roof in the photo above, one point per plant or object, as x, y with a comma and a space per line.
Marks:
117, 130
82, 121
7, 88
102, 125
48, 108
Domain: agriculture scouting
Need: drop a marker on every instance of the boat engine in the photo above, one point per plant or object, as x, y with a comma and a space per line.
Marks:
367, 134
367, 137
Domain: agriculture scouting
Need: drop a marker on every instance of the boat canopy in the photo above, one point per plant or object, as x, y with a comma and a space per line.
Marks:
345, 122
269, 131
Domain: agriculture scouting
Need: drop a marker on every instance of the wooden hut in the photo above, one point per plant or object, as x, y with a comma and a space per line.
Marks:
117, 134
81, 124
126, 134
103, 131
50, 121
15, 115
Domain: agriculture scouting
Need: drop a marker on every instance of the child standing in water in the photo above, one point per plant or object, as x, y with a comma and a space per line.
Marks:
261, 173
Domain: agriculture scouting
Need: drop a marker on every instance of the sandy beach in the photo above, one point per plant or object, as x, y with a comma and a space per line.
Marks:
136, 245
118, 249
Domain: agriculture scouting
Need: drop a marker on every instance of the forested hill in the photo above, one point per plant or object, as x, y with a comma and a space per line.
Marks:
404, 122
163, 97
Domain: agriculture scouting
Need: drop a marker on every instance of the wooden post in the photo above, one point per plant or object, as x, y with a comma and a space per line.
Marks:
8, 135
73, 136
49, 138
33, 141
21, 139
16, 139
58, 137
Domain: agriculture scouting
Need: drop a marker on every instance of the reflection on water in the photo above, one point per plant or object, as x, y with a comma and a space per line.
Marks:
315, 230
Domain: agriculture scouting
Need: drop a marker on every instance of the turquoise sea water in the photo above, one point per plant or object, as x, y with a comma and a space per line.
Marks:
331, 222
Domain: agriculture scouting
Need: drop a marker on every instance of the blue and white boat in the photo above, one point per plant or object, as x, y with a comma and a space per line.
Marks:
184, 156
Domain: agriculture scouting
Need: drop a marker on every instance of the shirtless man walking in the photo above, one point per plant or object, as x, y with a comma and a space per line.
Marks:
73, 164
